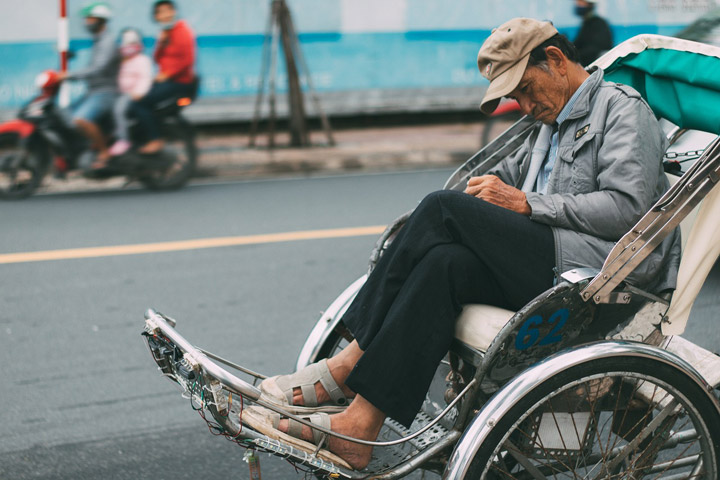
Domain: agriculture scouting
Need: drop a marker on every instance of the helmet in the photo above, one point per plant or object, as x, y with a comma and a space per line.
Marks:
97, 10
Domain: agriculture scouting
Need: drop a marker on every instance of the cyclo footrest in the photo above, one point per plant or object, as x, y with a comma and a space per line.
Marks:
213, 389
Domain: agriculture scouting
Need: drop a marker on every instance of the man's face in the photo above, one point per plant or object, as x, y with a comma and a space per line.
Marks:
93, 24
164, 13
541, 93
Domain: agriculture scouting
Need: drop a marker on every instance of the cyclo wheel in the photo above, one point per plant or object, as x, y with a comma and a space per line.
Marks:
179, 142
620, 417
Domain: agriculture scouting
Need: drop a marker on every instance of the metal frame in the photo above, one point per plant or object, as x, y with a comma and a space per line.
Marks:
656, 225
199, 360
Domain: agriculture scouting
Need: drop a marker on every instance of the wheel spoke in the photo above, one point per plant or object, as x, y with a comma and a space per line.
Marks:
619, 425
524, 461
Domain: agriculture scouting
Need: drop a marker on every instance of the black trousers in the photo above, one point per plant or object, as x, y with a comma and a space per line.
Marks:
454, 249
143, 108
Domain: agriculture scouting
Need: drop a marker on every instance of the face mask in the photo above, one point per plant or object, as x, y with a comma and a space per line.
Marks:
93, 27
166, 25
130, 50
582, 11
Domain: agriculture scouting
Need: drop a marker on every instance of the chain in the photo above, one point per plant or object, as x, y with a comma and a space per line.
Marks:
675, 155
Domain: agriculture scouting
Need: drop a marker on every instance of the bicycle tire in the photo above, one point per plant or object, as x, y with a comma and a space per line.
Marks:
648, 459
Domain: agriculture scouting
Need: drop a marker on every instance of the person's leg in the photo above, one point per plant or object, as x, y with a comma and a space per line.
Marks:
86, 116
494, 234
392, 376
92, 131
396, 368
120, 119
516, 253
143, 111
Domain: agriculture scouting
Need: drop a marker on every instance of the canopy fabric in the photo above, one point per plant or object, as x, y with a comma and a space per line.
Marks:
679, 79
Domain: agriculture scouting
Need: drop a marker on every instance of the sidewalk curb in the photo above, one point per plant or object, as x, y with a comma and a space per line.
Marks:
361, 150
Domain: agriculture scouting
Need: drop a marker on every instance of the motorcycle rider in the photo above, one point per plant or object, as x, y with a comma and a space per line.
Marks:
175, 57
134, 81
100, 77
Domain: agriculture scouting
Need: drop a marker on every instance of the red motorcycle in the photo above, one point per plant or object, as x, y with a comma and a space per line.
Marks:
43, 139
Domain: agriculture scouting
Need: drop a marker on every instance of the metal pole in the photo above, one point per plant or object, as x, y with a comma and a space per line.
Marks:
298, 125
273, 74
305, 72
263, 78
63, 45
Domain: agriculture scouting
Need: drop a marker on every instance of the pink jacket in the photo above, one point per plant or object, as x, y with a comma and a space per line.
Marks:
135, 76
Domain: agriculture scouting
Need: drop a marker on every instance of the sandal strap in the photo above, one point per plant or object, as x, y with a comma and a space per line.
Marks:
306, 378
309, 395
295, 428
330, 385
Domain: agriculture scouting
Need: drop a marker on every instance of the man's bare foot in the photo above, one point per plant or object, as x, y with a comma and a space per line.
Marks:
153, 146
361, 420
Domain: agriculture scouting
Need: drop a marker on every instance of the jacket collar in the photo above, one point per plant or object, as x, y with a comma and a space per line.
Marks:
582, 104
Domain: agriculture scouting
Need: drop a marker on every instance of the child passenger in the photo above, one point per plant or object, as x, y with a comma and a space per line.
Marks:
134, 81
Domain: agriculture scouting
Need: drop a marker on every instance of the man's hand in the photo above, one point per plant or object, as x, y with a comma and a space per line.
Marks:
491, 189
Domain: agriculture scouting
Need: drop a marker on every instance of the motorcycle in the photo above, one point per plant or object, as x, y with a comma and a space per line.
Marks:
43, 139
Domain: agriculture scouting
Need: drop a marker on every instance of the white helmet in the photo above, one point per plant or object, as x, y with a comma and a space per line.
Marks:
97, 10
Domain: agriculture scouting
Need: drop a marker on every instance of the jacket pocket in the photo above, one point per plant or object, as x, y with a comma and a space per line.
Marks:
578, 145
580, 165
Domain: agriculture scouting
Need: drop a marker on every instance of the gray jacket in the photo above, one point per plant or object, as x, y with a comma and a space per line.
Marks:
607, 175
102, 71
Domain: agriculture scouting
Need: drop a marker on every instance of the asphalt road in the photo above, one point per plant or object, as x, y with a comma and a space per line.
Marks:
80, 396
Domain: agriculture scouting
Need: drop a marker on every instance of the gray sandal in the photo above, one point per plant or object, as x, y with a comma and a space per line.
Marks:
266, 422
278, 390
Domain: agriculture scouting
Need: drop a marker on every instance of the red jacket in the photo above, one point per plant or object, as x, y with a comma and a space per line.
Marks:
176, 55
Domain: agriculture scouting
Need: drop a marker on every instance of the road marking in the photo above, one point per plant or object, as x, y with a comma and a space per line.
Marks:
111, 251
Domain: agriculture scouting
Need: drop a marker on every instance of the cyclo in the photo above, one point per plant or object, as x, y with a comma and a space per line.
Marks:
549, 391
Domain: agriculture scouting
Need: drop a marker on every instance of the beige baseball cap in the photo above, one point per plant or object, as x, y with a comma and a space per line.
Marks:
503, 57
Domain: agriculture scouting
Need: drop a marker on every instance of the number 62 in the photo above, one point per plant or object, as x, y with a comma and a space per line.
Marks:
529, 333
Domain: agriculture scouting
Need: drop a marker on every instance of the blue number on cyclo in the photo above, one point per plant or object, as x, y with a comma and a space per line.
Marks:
528, 334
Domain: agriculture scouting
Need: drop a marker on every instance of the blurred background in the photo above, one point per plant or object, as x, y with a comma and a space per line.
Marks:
369, 57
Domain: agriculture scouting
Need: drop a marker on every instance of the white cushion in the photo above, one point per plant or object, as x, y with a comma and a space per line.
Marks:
478, 325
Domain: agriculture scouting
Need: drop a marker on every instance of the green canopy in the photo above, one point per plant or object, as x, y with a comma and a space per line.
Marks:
679, 79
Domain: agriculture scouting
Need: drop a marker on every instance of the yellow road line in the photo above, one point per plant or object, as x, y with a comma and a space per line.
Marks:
115, 250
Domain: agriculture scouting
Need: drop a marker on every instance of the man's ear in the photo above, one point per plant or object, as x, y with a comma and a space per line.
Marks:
557, 59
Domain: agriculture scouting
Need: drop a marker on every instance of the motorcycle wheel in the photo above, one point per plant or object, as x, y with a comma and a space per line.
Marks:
180, 144
21, 168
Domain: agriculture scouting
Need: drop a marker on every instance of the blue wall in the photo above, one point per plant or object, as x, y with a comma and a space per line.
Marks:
419, 43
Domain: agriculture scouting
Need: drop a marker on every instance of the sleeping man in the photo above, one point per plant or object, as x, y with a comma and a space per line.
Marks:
590, 169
